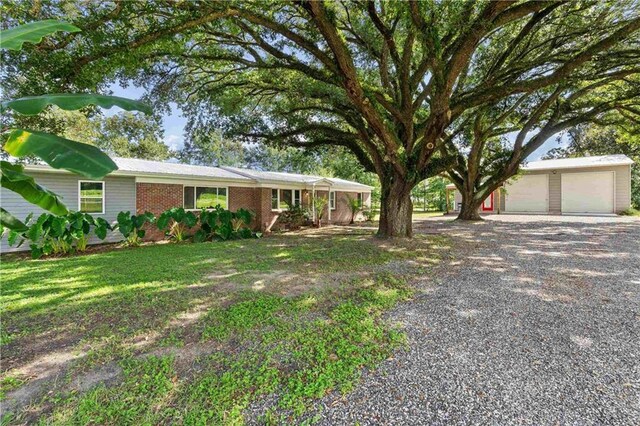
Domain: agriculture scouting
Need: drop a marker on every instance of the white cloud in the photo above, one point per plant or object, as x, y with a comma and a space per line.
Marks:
174, 141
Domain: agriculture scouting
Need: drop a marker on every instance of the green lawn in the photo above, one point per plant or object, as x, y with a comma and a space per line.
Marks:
200, 332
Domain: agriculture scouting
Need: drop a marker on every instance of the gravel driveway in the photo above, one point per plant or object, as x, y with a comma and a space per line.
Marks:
535, 320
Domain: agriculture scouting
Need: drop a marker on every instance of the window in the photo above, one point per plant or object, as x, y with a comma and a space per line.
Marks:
204, 197
332, 200
360, 199
91, 197
281, 199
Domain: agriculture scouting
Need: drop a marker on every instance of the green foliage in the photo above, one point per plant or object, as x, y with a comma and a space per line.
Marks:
32, 105
130, 135
430, 194
176, 222
131, 226
14, 179
355, 205
146, 383
50, 234
358, 75
56, 151
621, 138
369, 215
33, 32
294, 217
630, 212
9, 221
60, 153
318, 204
221, 224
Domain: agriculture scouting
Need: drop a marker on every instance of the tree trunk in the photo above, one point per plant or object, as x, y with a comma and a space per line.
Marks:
396, 209
470, 209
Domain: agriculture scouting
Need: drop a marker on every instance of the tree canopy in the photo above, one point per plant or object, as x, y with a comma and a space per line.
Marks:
388, 80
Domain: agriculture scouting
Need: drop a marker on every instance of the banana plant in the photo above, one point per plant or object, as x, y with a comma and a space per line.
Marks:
60, 153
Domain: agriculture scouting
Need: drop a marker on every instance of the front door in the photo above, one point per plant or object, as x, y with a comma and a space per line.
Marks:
487, 205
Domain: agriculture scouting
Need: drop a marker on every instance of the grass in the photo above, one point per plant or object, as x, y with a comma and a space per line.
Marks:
630, 212
268, 325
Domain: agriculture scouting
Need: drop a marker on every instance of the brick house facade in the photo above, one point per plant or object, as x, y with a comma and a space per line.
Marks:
158, 197
141, 185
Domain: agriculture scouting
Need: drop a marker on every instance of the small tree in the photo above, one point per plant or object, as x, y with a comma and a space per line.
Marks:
319, 203
355, 206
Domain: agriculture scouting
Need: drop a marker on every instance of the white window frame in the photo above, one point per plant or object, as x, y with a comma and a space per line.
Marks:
195, 200
293, 197
332, 200
360, 198
104, 195
277, 209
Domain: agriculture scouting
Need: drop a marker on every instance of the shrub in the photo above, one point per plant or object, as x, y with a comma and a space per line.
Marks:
222, 224
294, 217
176, 222
369, 215
130, 226
50, 234
630, 212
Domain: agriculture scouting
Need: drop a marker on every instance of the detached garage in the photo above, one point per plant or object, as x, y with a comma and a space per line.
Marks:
584, 185
588, 192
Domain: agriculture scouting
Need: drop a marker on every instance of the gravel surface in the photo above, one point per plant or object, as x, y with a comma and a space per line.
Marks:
533, 320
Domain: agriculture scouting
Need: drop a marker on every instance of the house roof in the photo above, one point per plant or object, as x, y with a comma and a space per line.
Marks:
283, 178
572, 163
137, 167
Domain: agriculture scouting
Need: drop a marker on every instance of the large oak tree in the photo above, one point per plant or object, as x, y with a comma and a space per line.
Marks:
387, 80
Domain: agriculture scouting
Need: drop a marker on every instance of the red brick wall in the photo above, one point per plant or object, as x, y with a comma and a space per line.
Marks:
342, 213
157, 197
245, 198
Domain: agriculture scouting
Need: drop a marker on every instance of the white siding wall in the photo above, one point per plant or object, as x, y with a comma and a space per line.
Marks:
120, 196
622, 183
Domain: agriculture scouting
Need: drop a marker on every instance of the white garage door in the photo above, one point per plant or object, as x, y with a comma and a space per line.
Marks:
587, 192
528, 194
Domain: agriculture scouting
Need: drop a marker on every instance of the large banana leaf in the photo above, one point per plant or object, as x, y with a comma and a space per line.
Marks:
7, 220
32, 105
60, 153
32, 32
15, 180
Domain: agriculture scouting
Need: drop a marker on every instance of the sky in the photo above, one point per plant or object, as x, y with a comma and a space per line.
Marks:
174, 123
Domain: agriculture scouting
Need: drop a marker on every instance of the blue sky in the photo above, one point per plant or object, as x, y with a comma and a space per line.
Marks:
174, 123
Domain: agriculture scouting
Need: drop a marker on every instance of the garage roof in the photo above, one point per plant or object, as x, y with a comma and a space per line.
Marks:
580, 162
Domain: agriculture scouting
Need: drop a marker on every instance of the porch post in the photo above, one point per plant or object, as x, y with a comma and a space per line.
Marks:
313, 201
329, 203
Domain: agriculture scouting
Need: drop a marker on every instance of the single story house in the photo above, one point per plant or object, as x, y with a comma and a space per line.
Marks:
592, 185
142, 185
